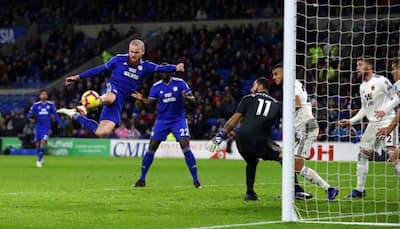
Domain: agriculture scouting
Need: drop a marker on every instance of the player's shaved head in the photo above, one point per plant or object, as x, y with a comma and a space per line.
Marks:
260, 85
137, 42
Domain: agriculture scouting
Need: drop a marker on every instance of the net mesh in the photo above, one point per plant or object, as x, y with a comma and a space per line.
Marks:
331, 35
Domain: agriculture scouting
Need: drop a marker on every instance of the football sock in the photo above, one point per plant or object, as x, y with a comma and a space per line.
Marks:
396, 166
251, 175
313, 176
88, 124
297, 186
40, 152
362, 171
191, 163
146, 163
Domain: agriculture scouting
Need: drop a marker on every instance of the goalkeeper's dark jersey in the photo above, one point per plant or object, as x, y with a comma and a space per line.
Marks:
260, 112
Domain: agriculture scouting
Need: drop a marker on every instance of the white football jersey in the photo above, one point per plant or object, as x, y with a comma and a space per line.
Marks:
377, 94
305, 112
396, 86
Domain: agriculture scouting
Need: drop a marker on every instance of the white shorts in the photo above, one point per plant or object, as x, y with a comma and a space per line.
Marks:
370, 142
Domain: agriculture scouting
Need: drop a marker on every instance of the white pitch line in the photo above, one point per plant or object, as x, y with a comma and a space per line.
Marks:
237, 225
124, 189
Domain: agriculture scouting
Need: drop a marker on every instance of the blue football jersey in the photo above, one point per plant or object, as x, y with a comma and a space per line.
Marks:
42, 112
125, 77
171, 104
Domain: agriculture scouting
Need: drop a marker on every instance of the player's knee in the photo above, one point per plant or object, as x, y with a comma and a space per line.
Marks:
108, 99
298, 163
102, 132
364, 154
395, 156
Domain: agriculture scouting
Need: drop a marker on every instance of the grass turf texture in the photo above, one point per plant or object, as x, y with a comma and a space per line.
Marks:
87, 192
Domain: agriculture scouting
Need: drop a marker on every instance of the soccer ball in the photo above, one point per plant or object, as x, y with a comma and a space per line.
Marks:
90, 99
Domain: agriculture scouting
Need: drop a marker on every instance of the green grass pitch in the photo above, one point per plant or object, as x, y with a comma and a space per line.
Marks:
91, 192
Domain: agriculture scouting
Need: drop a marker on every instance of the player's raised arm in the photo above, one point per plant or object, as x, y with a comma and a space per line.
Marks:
91, 72
164, 68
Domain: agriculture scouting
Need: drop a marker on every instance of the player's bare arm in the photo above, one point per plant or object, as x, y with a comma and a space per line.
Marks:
139, 96
387, 130
71, 79
189, 97
232, 122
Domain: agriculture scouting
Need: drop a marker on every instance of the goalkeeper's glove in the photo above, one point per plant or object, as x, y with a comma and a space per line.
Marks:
216, 141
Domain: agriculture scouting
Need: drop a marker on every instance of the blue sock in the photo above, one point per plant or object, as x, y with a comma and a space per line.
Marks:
40, 153
146, 163
88, 124
191, 163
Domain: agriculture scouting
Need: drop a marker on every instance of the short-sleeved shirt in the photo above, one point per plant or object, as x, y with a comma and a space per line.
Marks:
171, 103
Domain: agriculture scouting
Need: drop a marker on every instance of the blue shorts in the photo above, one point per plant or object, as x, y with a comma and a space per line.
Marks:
162, 128
41, 134
113, 112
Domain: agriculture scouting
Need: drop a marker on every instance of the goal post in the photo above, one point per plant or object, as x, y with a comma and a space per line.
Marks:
289, 60
322, 41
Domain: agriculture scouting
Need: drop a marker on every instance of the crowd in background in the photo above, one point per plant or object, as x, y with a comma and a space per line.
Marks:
47, 13
43, 60
220, 64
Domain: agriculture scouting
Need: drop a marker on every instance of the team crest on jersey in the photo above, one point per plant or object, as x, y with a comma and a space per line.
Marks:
140, 67
161, 92
175, 88
372, 87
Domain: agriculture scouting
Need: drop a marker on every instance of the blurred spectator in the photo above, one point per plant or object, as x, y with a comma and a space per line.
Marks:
122, 132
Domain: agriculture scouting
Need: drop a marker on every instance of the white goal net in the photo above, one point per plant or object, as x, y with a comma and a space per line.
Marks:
331, 36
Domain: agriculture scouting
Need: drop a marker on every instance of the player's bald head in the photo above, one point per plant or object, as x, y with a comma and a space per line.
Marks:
137, 42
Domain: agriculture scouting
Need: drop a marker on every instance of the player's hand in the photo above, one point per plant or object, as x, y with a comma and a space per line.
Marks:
137, 95
71, 79
383, 132
180, 67
344, 122
214, 143
379, 114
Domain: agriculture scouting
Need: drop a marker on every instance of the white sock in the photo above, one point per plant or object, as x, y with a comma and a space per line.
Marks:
362, 172
313, 176
396, 166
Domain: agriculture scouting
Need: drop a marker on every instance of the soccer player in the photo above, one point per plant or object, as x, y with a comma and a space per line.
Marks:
259, 112
42, 111
170, 93
307, 129
394, 158
127, 74
378, 100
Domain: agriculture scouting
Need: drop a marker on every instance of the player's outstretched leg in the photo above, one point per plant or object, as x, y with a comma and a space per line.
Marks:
76, 114
190, 161
146, 163
362, 172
